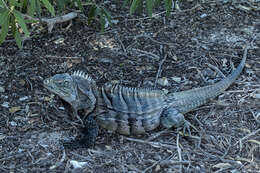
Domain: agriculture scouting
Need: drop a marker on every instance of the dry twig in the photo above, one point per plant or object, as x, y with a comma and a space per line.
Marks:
153, 144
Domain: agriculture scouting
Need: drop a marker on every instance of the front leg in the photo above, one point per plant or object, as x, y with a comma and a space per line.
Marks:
89, 133
172, 118
75, 114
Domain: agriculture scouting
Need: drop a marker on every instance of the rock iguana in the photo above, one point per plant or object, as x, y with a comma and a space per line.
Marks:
130, 111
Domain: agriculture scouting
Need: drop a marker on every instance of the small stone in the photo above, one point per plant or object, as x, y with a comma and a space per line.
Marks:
75, 164
61, 108
105, 60
5, 105
157, 168
165, 91
2, 90
148, 83
115, 21
23, 98
12, 123
203, 15
163, 81
256, 96
176, 79
22, 82
222, 165
59, 41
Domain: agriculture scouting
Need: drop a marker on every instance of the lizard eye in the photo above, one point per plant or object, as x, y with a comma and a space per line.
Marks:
66, 83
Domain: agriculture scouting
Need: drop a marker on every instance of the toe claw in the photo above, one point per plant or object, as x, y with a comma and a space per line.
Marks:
187, 126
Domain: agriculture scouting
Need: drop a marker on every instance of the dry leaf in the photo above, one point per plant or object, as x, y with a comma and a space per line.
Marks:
254, 141
22, 82
14, 109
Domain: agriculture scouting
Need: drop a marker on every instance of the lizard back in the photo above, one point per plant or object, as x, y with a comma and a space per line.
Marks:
129, 110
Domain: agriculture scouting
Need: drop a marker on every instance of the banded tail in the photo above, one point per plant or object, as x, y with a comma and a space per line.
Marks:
186, 101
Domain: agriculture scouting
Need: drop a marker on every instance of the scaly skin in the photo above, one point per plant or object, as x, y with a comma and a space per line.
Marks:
186, 101
131, 111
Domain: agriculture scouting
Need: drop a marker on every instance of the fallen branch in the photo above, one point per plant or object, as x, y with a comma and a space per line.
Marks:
52, 21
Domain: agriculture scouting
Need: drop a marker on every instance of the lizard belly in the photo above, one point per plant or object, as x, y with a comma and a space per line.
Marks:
129, 123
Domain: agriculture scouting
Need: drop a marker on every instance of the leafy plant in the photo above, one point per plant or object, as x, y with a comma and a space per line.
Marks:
12, 19
150, 4
16, 15
100, 14
13, 12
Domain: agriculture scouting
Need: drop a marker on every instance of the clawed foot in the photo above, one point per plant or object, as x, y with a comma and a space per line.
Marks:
187, 127
89, 133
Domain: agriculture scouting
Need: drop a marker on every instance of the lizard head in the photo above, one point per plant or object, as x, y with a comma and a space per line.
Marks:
62, 85
76, 89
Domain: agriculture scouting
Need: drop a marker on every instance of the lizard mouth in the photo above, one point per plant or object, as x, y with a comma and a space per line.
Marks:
60, 91
46, 85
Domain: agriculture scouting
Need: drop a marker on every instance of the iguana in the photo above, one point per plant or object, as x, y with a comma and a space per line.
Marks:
129, 110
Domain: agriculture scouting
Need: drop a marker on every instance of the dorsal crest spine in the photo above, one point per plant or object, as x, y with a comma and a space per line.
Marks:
83, 75
115, 88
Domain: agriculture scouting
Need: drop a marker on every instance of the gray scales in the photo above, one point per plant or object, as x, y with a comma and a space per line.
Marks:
130, 111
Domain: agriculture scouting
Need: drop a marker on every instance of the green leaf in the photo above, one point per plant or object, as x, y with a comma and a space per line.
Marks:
168, 6
2, 10
4, 29
126, 2
140, 7
107, 14
13, 3
27, 21
13, 25
102, 21
38, 8
18, 39
80, 5
20, 20
157, 3
134, 6
91, 13
2, 4
32, 7
97, 12
24, 7
149, 6
4, 16
49, 7
61, 5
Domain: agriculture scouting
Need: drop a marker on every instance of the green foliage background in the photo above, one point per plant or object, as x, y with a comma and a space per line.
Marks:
17, 15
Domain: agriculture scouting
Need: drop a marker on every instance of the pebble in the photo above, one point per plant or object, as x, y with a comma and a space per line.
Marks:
76, 164
5, 105
13, 123
105, 60
256, 96
61, 108
23, 98
176, 79
203, 15
2, 90
163, 81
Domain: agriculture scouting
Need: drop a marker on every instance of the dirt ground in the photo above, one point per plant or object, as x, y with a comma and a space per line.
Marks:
180, 50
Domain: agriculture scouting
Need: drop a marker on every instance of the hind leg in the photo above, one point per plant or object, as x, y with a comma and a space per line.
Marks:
172, 118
